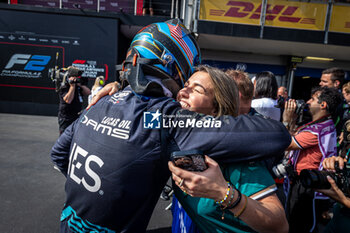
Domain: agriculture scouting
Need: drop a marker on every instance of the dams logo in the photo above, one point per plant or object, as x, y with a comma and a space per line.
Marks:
281, 13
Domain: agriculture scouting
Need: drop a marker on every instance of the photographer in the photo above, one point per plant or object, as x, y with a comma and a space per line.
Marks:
341, 218
71, 95
311, 144
344, 138
282, 97
334, 78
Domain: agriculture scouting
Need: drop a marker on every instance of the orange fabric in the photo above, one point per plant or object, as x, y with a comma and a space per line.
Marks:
310, 156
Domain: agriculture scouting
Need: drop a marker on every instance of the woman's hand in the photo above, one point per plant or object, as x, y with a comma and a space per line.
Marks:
109, 89
209, 183
265, 216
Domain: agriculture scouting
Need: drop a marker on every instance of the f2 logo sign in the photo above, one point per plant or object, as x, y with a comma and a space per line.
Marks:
35, 62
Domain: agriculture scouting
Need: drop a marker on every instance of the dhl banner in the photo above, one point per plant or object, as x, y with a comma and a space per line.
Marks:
340, 19
279, 13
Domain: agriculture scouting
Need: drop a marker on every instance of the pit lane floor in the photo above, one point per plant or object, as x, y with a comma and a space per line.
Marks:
31, 191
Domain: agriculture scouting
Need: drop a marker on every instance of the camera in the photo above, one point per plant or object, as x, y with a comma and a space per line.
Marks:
302, 112
280, 102
191, 160
285, 168
318, 179
61, 76
301, 106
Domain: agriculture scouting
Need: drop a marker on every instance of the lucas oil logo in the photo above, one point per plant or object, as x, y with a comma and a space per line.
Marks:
110, 126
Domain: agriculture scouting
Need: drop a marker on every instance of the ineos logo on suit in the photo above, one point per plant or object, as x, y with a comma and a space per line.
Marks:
75, 165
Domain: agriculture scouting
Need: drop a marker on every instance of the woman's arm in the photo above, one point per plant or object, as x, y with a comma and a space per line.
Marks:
265, 215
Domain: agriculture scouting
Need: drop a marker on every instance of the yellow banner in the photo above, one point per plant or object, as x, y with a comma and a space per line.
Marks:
289, 14
340, 19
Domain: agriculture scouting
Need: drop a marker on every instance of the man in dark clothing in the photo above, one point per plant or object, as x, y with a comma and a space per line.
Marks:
71, 98
334, 78
115, 156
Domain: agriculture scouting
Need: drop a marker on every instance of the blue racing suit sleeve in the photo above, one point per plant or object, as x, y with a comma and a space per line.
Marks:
228, 138
60, 151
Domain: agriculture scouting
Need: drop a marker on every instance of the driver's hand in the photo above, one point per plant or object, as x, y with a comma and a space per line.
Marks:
109, 89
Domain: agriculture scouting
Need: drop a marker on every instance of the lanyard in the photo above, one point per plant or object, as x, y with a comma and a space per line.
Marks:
327, 117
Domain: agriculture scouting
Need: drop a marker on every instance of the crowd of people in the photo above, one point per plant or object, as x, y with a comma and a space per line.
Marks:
116, 155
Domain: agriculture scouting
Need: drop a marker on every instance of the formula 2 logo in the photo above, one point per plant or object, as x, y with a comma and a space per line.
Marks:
31, 62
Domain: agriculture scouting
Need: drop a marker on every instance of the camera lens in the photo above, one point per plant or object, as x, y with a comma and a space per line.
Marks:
314, 179
279, 171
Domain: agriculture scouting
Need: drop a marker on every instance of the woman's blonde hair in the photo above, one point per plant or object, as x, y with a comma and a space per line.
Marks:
226, 98
99, 82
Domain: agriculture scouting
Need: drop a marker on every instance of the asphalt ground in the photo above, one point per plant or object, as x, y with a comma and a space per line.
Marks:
31, 191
